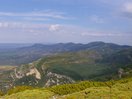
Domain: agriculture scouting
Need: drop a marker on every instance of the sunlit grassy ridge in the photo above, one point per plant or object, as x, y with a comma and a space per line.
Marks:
120, 89
99, 93
30, 94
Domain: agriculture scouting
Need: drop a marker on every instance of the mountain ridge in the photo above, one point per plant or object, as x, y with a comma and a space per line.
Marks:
28, 54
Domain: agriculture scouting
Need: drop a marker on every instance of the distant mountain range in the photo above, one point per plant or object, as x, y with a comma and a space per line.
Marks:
9, 46
23, 54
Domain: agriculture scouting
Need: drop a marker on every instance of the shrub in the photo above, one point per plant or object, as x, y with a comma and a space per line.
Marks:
18, 89
1, 93
71, 88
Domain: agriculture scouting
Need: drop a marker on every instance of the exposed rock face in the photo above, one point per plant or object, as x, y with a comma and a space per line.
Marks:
120, 72
35, 72
18, 74
57, 79
34, 76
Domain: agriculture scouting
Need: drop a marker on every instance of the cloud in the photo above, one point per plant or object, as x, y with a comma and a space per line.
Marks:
36, 32
127, 10
55, 27
21, 25
58, 29
4, 25
39, 15
102, 34
7, 25
35, 19
96, 19
128, 7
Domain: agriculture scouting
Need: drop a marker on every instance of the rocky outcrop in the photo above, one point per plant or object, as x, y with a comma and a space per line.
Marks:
35, 72
120, 72
57, 79
34, 76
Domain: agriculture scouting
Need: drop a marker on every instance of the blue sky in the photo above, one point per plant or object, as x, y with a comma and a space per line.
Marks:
53, 21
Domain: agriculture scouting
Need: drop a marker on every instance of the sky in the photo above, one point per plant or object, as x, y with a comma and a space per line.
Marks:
55, 21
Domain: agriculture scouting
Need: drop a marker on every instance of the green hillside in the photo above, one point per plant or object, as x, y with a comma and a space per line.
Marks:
76, 66
119, 89
84, 65
30, 94
112, 91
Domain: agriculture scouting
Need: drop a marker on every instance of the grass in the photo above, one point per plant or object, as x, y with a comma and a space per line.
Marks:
30, 94
6, 68
118, 91
121, 89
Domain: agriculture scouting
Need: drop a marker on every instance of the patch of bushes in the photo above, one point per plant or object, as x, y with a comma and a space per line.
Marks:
19, 89
1, 93
71, 88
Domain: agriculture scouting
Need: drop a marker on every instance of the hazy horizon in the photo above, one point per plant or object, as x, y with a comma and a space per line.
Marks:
46, 43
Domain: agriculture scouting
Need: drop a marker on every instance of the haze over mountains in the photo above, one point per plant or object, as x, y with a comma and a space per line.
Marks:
16, 54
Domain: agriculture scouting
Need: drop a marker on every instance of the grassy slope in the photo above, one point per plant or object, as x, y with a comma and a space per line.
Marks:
6, 67
30, 94
120, 90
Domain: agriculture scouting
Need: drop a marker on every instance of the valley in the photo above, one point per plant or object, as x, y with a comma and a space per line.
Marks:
70, 63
